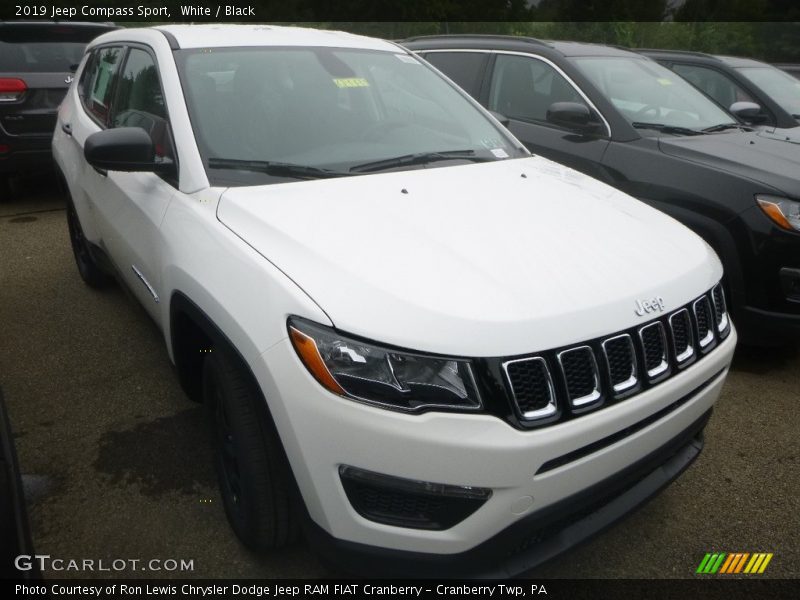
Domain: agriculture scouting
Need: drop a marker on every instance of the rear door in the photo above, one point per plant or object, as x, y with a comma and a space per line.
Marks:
128, 207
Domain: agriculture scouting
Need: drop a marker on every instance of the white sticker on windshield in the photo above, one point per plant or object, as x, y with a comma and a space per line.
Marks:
500, 153
407, 59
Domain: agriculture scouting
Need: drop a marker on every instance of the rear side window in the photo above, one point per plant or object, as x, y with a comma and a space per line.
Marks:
717, 85
99, 83
465, 68
140, 100
524, 88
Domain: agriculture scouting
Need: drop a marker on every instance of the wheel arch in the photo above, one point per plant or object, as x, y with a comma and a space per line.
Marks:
719, 237
192, 333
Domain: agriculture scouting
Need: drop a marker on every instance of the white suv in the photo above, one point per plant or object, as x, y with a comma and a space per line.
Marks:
418, 342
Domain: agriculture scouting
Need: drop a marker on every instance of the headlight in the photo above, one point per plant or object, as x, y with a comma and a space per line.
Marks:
783, 212
384, 376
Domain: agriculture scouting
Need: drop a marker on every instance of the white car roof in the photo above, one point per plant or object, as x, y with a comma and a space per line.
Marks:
222, 36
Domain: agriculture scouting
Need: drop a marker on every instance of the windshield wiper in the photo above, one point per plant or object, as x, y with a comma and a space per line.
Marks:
420, 158
724, 126
667, 128
278, 169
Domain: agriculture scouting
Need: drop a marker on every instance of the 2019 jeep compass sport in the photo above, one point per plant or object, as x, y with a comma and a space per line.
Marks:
414, 339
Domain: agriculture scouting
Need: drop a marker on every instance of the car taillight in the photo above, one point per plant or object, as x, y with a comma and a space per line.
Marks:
11, 90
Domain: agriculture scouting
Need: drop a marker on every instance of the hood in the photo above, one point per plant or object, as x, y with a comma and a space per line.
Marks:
791, 135
763, 156
489, 259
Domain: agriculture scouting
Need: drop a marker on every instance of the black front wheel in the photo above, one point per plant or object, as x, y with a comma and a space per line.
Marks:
88, 268
253, 473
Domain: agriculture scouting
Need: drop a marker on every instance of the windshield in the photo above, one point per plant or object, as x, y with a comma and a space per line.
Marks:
781, 87
647, 93
299, 111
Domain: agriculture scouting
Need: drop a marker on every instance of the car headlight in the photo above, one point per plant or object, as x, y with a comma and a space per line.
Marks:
783, 212
383, 376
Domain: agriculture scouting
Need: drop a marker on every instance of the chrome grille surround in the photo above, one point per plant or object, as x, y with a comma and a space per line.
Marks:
720, 310
704, 320
576, 398
685, 356
632, 380
561, 383
550, 407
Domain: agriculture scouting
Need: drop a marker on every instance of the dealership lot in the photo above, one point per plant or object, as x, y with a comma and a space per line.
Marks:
120, 460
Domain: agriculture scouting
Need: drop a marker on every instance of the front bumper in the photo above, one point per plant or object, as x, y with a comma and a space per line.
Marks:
536, 538
767, 328
321, 432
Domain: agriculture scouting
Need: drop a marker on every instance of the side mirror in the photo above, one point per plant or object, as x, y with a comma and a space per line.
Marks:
748, 111
124, 149
572, 115
504, 120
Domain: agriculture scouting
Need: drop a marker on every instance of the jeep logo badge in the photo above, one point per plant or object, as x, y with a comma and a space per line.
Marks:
652, 305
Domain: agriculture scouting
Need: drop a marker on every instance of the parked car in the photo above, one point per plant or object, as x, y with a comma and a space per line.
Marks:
628, 121
15, 537
37, 63
792, 69
736, 82
420, 343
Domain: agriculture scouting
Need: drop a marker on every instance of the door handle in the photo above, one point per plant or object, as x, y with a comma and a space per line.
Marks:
66, 128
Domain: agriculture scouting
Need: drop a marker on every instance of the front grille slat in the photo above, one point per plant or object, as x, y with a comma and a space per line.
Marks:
704, 323
581, 376
632, 361
680, 324
654, 346
720, 310
532, 387
621, 359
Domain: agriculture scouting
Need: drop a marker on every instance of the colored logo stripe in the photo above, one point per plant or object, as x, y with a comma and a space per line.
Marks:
711, 562
734, 562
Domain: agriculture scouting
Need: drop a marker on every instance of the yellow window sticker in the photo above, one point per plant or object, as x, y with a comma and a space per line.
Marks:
351, 82
664, 81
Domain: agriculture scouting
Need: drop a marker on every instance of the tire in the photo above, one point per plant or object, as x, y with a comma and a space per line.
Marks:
253, 473
5, 187
90, 272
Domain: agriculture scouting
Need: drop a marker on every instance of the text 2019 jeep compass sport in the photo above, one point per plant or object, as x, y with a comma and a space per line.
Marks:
414, 339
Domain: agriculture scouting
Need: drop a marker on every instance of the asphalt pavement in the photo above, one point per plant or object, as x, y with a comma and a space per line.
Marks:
117, 459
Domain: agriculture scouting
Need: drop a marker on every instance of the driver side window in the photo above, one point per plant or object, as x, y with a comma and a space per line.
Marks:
524, 88
715, 84
140, 101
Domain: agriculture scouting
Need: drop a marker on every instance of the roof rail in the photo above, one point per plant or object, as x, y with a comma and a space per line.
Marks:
670, 51
479, 36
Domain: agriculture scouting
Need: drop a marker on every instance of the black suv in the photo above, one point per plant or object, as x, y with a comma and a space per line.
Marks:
730, 80
626, 120
37, 62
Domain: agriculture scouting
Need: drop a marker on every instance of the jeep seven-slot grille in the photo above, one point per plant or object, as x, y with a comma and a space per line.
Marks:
561, 382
